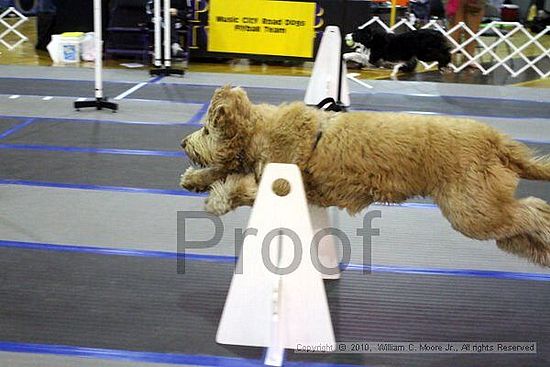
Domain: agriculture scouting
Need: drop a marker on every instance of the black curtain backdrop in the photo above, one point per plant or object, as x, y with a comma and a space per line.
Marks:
70, 16
77, 16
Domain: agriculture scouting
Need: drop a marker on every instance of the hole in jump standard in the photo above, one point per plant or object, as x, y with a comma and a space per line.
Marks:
274, 29
247, 28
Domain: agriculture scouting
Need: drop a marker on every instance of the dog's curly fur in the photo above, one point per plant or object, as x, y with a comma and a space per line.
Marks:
469, 169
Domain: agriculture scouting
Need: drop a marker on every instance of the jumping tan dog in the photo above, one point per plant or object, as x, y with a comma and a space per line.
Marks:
353, 159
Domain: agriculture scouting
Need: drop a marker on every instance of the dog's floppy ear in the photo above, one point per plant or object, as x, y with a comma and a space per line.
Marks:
230, 110
364, 36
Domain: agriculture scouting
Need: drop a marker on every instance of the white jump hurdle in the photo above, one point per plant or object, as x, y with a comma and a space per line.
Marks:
283, 304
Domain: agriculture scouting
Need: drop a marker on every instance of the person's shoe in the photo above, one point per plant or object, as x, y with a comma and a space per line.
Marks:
177, 51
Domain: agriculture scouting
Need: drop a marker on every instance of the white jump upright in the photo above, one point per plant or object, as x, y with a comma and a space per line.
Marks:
327, 253
329, 71
100, 101
277, 297
163, 55
157, 21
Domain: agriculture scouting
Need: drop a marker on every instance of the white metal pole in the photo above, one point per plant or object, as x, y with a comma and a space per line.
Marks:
167, 29
158, 34
98, 50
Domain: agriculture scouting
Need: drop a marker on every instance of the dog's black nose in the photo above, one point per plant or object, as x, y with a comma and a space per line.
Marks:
183, 143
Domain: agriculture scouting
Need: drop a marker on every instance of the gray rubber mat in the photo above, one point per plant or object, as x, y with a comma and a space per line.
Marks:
52, 87
112, 303
8, 123
134, 111
203, 93
74, 73
101, 135
451, 105
46, 360
411, 237
539, 189
529, 129
93, 169
142, 304
376, 102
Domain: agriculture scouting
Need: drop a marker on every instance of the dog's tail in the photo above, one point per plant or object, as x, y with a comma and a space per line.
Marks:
521, 159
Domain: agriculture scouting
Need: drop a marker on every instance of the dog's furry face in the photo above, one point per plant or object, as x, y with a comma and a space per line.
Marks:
220, 141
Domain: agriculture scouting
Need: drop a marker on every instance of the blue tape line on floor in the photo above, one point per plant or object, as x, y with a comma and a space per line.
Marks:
451, 272
232, 259
197, 117
136, 190
182, 192
148, 357
116, 251
17, 128
52, 148
79, 120
156, 79
151, 357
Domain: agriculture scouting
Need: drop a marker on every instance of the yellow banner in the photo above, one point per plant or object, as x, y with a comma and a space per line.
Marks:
264, 27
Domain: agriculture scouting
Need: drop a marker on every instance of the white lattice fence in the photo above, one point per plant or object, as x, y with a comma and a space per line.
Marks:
493, 30
11, 28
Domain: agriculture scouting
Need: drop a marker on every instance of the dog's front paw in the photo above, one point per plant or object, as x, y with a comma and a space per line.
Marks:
192, 180
219, 200
218, 205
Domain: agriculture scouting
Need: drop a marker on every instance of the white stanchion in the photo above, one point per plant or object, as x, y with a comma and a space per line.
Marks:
167, 34
157, 20
270, 308
326, 71
163, 55
100, 101
98, 44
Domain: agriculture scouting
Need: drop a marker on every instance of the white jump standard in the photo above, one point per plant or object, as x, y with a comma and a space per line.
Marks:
100, 102
163, 69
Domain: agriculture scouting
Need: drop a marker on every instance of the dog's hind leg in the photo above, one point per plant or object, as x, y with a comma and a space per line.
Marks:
535, 243
482, 206
527, 246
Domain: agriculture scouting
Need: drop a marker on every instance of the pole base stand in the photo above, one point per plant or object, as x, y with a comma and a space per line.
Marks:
98, 104
329, 104
166, 71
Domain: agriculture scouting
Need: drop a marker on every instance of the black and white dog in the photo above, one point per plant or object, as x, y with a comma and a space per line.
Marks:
405, 49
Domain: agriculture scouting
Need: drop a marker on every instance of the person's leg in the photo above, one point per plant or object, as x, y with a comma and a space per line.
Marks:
453, 21
473, 21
